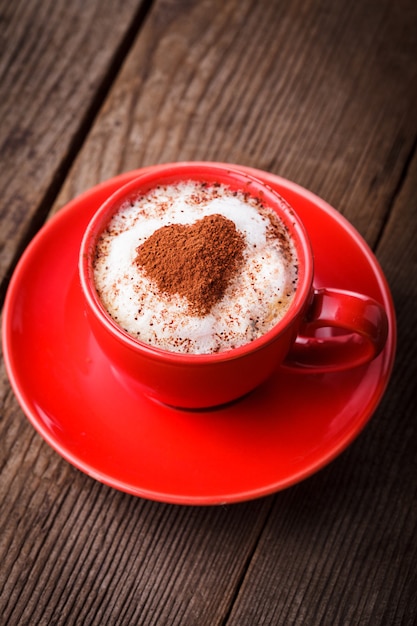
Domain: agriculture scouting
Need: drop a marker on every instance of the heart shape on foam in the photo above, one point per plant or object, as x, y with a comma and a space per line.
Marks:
196, 261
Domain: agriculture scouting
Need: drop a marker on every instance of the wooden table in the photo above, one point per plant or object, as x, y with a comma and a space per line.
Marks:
322, 93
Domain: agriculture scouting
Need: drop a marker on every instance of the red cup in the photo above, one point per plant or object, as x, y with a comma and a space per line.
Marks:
323, 330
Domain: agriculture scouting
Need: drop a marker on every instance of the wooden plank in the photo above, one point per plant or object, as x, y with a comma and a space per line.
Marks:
341, 549
77, 552
320, 93
280, 86
56, 61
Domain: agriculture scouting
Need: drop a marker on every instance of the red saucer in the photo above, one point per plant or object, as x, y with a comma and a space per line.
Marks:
283, 432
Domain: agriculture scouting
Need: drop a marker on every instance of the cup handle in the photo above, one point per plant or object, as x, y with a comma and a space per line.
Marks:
341, 330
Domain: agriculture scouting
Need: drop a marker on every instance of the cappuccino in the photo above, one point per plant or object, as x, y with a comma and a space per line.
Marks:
195, 268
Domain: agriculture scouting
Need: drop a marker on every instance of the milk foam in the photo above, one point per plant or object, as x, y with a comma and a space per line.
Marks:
255, 300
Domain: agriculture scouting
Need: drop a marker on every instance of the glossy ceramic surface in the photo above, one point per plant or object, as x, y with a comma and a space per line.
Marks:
284, 431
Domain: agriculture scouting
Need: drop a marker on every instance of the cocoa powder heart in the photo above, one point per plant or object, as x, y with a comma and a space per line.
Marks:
196, 261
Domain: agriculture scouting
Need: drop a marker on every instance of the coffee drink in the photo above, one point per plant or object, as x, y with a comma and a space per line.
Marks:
195, 268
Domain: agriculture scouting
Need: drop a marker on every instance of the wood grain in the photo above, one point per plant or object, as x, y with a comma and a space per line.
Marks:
56, 61
81, 553
316, 92
323, 93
